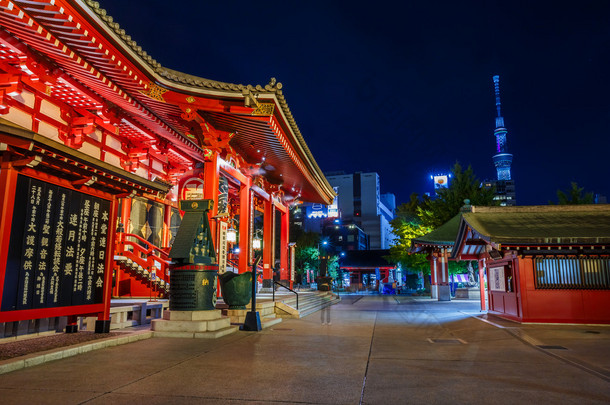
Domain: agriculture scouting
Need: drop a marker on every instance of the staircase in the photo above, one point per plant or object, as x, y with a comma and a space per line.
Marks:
143, 261
141, 274
309, 302
265, 309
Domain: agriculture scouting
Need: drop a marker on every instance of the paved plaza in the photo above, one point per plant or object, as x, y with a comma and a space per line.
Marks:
377, 350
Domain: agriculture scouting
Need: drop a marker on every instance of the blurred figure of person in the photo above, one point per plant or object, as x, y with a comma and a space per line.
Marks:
276, 273
325, 315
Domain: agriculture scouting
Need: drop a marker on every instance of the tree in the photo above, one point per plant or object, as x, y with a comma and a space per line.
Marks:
464, 185
420, 216
407, 227
574, 196
307, 255
333, 269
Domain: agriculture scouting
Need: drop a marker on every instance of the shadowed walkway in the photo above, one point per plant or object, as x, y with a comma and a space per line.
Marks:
378, 350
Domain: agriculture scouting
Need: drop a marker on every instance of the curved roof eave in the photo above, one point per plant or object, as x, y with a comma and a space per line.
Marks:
195, 85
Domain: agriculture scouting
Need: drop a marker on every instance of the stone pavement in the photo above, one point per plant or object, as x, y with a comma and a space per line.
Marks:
377, 350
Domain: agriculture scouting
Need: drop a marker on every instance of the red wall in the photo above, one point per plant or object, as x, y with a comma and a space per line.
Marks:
553, 306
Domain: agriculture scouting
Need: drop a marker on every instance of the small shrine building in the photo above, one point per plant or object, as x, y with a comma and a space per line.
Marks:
543, 263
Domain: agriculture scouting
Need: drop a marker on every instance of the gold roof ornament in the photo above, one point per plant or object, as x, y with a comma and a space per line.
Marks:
154, 91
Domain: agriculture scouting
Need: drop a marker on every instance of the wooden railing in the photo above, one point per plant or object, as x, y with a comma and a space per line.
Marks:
152, 258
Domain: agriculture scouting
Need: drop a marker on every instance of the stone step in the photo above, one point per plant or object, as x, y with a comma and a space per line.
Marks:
198, 335
309, 304
192, 324
269, 321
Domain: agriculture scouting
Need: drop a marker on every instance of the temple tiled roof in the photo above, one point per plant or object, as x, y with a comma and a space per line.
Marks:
444, 235
561, 224
194, 83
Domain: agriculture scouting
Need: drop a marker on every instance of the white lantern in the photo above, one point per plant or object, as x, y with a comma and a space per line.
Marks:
231, 235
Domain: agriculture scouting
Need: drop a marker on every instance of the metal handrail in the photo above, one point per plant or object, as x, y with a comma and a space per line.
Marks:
151, 248
148, 257
288, 288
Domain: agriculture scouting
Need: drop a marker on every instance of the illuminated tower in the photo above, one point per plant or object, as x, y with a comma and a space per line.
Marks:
502, 159
505, 186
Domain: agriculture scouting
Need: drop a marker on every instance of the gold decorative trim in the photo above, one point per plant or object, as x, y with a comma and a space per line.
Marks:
155, 92
190, 99
264, 109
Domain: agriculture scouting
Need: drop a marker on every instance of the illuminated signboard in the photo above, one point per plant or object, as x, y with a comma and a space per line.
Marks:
192, 189
333, 209
317, 211
441, 182
57, 249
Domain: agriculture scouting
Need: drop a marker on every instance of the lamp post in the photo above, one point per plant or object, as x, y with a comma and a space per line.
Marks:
322, 268
232, 240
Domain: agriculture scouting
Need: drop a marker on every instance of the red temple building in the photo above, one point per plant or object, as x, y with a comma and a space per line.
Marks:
99, 142
543, 263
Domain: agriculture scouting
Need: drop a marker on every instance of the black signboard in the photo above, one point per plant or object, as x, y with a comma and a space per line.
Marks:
57, 249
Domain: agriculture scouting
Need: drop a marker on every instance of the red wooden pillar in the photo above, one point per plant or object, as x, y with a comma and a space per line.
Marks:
433, 277
285, 275
125, 219
211, 173
481, 264
444, 276
8, 184
167, 219
444, 290
103, 318
244, 226
268, 241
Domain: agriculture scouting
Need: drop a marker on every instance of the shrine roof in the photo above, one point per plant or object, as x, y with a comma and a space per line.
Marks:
540, 225
104, 67
198, 85
443, 236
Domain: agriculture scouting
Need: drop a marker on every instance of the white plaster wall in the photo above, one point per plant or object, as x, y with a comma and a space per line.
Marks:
142, 172
48, 131
96, 135
18, 117
26, 98
51, 110
112, 159
90, 150
113, 142
158, 166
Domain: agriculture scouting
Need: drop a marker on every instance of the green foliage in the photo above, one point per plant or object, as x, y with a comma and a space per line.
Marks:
406, 228
333, 268
464, 185
306, 258
574, 196
307, 255
458, 267
420, 216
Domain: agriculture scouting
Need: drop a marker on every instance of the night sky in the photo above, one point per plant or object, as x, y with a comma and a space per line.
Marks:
404, 88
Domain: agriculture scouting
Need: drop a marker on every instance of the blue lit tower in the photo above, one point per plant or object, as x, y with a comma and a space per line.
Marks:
502, 159
505, 186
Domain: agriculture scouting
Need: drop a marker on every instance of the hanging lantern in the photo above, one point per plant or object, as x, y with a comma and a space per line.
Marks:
256, 243
231, 235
